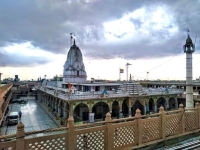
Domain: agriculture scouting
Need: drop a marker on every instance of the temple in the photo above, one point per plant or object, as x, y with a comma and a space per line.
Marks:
74, 69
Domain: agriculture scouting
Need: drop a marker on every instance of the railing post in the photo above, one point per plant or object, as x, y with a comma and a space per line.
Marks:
71, 138
20, 143
198, 113
109, 133
182, 118
163, 122
139, 127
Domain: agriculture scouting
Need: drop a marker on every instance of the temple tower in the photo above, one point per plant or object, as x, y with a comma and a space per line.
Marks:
74, 69
189, 48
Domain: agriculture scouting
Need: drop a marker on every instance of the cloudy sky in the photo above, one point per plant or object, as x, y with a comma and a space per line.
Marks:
149, 34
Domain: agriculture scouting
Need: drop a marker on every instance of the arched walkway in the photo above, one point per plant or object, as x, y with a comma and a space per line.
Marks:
151, 105
100, 109
172, 103
136, 106
125, 108
161, 102
81, 112
115, 109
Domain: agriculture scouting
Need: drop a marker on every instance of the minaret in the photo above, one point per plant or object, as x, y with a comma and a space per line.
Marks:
189, 48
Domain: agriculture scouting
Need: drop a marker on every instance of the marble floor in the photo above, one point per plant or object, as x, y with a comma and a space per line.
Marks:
34, 117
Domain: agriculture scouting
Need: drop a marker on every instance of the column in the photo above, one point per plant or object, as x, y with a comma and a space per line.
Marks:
59, 111
71, 111
20, 142
129, 111
176, 105
155, 108
144, 108
167, 105
147, 107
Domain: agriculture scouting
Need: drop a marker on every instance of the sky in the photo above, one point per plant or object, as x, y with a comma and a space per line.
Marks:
35, 37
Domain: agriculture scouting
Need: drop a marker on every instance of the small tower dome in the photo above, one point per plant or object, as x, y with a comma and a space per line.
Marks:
189, 47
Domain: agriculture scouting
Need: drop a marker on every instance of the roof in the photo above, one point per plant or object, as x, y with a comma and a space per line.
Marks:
189, 40
13, 113
96, 84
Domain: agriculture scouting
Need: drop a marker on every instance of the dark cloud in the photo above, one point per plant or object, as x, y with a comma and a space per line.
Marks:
47, 26
19, 60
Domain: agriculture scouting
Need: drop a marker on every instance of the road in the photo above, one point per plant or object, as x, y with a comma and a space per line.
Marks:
33, 117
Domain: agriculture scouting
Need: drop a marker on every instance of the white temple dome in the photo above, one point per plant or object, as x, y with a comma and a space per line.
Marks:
74, 68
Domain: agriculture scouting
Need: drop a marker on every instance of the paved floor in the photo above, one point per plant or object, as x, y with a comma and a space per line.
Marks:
34, 117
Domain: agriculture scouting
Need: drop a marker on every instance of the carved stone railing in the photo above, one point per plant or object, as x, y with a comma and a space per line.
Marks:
109, 134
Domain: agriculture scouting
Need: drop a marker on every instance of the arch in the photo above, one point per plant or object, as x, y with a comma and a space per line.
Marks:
81, 112
125, 108
172, 103
137, 105
151, 105
161, 102
115, 109
100, 109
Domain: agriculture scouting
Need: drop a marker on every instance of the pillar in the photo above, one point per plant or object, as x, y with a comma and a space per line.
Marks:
59, 111
71, 135
138, 132
109, 134
176, 103
182, 116
144, 108
167, 105
163, 124
129, 111
147, 107
20, 142
155, 108
71, 111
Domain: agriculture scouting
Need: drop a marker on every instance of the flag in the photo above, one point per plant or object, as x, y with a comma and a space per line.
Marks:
121, 70
70, 87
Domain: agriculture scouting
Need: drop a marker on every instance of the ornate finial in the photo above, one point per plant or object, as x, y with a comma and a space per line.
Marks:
161, 108
70, 122
196, 104
20, 126
181, 105
137, 114
74, 42
108, 117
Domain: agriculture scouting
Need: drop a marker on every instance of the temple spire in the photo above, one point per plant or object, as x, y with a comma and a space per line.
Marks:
74, 42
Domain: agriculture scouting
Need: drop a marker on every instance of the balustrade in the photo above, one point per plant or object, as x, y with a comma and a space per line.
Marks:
111, 133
